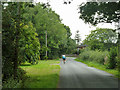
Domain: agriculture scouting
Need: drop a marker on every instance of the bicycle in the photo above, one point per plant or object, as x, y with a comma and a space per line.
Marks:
64, 58
64, 61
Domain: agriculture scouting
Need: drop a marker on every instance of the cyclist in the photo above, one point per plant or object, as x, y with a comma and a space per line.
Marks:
64, 58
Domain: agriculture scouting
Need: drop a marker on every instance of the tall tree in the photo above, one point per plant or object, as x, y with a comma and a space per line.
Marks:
44, 19
77, 37
107, 12
71, 44
14, 42
13, 22
101, 38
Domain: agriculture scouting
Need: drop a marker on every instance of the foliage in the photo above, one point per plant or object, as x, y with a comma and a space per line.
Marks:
10, 36
101, 39
44, 19
71, 46
16, 37
15, 83
24, 29
58, 35
68, 31
112, 63
100, 66
43, 75
102, 12
11, 83
90, 55
29, 44
107, 12
108, 59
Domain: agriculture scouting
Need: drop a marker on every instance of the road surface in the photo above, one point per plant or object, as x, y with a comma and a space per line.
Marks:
75, 74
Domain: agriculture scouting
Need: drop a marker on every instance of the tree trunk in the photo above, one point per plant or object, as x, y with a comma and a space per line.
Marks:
16, 59
16, 42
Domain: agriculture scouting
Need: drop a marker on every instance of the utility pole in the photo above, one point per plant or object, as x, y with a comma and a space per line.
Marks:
119, 45
46, 43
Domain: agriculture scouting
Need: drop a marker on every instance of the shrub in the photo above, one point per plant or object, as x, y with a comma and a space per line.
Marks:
15, 83
12, 83
20, 74
96, 56
112, 60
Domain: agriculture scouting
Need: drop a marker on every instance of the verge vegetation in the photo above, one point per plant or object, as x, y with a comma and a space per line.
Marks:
30, 32
101, 67
100, 60
43, 75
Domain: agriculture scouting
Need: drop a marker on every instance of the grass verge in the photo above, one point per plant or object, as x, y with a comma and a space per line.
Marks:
101, 67
43, 75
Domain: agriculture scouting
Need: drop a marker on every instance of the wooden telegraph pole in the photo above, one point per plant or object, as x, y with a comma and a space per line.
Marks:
119, 45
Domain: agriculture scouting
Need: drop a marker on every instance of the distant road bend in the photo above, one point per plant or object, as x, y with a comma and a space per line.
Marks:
75, 74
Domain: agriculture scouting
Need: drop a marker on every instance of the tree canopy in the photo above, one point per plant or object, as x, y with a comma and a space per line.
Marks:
97, 12
101, 38
24, 35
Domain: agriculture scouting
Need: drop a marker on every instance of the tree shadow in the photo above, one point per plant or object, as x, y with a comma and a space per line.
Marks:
25, 65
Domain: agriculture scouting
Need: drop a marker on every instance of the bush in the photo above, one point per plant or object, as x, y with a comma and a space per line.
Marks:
12, 83
7, 68
96, 56
112, 58
15, 83
20, 74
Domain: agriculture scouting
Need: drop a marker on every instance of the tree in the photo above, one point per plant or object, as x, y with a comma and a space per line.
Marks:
107, 12
13, 21
44, 19
14, 43
29, 45
70, 46
77, 37
101, 38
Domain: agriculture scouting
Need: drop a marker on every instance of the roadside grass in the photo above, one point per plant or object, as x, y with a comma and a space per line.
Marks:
43, 75
101, 67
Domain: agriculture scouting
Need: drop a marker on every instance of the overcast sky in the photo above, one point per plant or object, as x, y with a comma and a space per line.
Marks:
70, 17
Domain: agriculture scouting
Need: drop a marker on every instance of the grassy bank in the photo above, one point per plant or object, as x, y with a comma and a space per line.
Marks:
43, 75
101, 67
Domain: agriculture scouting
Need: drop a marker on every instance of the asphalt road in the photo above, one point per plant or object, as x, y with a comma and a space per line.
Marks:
75, 74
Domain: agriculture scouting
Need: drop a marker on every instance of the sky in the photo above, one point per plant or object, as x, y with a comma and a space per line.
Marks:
70, 17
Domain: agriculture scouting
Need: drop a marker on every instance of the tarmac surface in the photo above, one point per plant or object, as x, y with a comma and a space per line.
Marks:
75, 74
